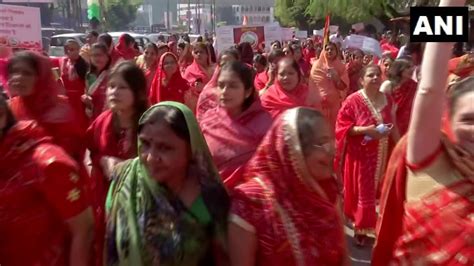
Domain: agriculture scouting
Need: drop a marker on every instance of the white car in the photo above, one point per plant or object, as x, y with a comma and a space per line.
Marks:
141, 39
56, 45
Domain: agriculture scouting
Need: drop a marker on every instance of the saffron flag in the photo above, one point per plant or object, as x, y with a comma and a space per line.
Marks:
326, 30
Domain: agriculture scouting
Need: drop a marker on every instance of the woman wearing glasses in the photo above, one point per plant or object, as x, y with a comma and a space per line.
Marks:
286, 214
364, 130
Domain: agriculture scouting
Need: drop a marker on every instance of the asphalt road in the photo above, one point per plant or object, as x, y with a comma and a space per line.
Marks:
359, 256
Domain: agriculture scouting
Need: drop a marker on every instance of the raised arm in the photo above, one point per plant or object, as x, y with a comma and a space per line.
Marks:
424, 132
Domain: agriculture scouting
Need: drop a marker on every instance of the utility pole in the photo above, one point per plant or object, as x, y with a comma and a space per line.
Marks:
168, 15
189, 16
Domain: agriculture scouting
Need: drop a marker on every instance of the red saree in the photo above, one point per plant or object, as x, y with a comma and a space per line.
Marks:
260, 80
276, 100
331, 97
195, 72
208, 97
233, 140
353, 69
435, 229
294, 218
52, 111
403, 98
96, 88
361, 166
125, 51
173, 91
74, 90
40, 190
102, 141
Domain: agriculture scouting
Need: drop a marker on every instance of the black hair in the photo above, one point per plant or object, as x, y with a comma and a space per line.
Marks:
106, 39
151, 45
81, 66
275, 55
462, 87
232, 52
308, 121
128, 39
103, 47
276, 42
10, 121
172, 116
246, 75
294, 64
182, 45
396, 70
290, 49
258, 58
212, 52
367, 67
23, 56
137, 82
93, 33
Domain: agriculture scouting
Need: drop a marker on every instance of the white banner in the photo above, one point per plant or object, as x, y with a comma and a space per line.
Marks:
318, 32
20, 27
366, 44
224, 38
301, 34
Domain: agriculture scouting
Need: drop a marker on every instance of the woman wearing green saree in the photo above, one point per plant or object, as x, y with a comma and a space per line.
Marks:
167, 206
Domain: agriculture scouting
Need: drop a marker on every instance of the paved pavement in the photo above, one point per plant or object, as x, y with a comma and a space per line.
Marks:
359, 256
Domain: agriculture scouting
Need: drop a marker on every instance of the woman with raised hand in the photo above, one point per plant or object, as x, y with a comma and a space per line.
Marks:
365, 131
236, 126
427, 199
168, 205
289, 91
111, 137
329, 78
44, 210
286, 213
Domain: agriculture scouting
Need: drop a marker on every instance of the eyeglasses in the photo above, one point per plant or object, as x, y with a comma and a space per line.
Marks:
327, 147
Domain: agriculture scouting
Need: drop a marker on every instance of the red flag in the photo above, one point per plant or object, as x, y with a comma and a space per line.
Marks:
326, 30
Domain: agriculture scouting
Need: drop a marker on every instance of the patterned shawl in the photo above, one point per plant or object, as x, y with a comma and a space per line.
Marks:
147, 225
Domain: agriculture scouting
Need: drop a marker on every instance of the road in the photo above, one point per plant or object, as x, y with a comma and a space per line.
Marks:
359, 256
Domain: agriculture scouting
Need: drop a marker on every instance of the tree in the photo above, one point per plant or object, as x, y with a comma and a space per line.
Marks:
119, 14
291, 12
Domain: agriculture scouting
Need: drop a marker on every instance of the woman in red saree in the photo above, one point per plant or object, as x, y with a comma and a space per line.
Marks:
287, 212
31, 79
45, 215
126, 47
236, 126
73, 69
112, 136
148, 62
264, 79
360, 161
185, 56
208, 98
201, 70
168, 85
402, 89
353, 68
427, 202
329, 78
96, 81
288, 91
462, 66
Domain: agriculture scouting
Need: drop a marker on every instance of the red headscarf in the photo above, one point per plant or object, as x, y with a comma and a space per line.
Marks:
276, 100
277, 174
460, 66
44, 104
124, 50
173, 91
207, 98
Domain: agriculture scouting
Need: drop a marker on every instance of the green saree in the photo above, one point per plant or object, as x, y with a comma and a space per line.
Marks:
148, 225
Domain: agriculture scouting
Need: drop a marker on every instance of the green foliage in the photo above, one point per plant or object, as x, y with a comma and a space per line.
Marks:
120, 13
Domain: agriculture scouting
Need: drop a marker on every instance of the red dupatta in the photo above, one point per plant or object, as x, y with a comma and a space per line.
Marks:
173, 91
276, 100
403, 97
261, 80
195, 72
460, 66
208, 97
233, 140
283, 202
50, 110
125, 51
353, 69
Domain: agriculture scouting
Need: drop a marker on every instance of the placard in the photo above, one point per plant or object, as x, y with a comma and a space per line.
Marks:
301, 34
253, 35
20, 27
366, 44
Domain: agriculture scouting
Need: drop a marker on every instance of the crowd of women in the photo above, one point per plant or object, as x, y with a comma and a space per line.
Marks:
175, 157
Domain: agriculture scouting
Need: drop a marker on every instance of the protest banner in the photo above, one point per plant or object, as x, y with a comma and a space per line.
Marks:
366, 44
20, 27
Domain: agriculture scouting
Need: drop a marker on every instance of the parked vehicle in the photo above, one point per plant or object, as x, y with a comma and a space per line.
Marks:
159, 37
56, 45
